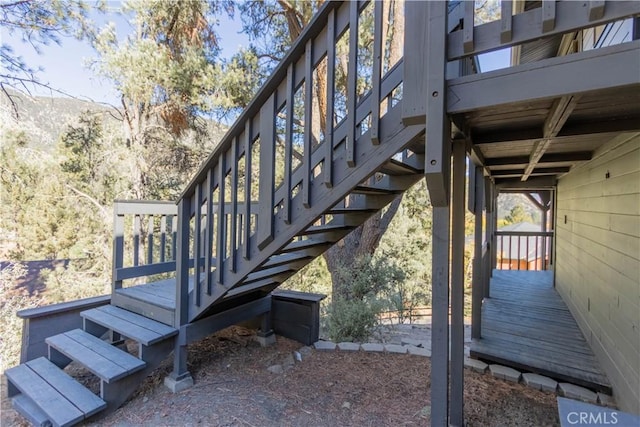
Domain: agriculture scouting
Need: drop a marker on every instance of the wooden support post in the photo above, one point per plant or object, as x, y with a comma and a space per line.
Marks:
118, 248
197, 242
234, 206
596, 9
180, 378
494, 227
208, 233
288, 146
222, 221
456, 415
477, 286
440, 317
308, 134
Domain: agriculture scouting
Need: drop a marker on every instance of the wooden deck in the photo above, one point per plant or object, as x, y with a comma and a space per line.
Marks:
527, 325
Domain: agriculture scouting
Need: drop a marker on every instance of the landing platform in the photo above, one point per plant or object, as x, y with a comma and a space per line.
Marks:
527, 325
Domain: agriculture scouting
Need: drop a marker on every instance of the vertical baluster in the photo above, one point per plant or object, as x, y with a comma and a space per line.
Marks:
331, 68
247, 189
163, 238
288, 145
467, 32
377, 71
267, 178
136, 240
510, 259
174, 237
208, 232
234, 205
351, 84
222, 219
506, 18
308, 111
197, 237
150, 240
548, 15
527, 255
118, 248
501, 252
536, 258
181, 227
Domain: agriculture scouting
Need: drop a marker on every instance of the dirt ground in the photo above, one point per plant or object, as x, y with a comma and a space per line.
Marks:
233, 387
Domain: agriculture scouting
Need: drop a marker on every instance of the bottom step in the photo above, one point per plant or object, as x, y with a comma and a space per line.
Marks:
61, 399
25, 407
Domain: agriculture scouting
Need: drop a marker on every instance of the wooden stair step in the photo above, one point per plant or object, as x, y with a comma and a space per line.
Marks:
282, 259
131, 325
250, 287
63, 400
305, 244
267, 273
396, 167
364, 189
29, 410
106, 361
317, 229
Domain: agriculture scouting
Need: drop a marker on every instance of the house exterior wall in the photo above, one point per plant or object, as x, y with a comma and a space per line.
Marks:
598, 259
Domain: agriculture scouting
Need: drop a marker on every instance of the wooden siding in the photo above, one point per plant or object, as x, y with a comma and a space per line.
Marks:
598, 259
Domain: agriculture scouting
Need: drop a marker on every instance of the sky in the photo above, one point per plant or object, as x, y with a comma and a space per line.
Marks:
64, 66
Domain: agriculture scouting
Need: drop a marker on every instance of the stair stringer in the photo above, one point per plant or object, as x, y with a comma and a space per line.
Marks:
394, 138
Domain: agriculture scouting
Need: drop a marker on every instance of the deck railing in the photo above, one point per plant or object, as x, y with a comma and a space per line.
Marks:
520, 250
144, 241
334, 85
515, 25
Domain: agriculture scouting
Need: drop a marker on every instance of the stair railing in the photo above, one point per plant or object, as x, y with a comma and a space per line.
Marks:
282, 150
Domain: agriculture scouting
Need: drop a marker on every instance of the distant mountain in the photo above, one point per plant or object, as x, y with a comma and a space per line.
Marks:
44, 118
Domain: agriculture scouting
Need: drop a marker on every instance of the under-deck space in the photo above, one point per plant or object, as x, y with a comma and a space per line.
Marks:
527, 325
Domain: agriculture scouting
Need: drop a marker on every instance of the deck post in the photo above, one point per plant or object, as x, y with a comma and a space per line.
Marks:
456, 416
180, 378
478, 267
265, 335
488, 237
437, 173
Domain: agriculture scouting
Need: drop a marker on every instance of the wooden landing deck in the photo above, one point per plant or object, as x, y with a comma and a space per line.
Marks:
527, 325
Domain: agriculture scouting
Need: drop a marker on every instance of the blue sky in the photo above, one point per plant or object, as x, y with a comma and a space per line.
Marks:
64, 65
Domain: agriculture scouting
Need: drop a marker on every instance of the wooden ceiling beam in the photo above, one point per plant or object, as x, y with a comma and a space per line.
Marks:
536, 172
523, 161
558, 115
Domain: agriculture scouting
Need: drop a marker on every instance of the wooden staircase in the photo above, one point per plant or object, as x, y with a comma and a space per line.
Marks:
272, 196
46, 395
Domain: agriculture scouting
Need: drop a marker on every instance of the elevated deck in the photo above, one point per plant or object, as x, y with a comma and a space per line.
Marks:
527, 325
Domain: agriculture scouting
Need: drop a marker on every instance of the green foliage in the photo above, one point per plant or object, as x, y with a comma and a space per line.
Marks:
516, 215
353, 314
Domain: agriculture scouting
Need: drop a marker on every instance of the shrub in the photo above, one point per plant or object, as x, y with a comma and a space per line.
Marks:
355, 311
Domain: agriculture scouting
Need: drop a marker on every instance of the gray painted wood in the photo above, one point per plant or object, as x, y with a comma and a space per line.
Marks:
221, 251
456, 416
527, 26
25, 407
477, 275
130, 325
352, 79
377, 72
104, 360
438, 125
331, 67
73, 391
308, 119
527, 325
209, 230
247, 143
548, 78
414, 66
469, 23
506, 28
267, 160
59, 410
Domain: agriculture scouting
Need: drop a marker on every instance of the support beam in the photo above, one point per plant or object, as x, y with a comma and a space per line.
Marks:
610, 67
558, 115
522, 161
516, 173
456, 416
488, 237
537, 183
477, 278
438, 150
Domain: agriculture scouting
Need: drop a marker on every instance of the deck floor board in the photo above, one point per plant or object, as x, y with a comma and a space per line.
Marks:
527, 325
